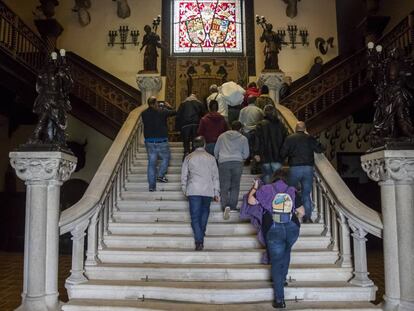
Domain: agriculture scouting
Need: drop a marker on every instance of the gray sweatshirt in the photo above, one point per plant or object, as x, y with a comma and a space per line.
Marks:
199, 174
231, 146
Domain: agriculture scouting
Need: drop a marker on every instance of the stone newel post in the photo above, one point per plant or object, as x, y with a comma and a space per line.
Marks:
394, 170
149, 84
44, 173
274, 81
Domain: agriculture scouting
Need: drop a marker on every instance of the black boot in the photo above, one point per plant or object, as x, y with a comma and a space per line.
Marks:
279, 304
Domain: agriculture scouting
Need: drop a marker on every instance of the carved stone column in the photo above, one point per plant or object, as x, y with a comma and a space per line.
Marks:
274, 81
394, 170
149, 84
44, 173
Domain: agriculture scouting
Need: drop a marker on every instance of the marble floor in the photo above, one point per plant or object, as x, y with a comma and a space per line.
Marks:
11, 275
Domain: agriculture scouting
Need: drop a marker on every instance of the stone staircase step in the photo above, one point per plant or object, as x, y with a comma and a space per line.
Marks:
176, 216
134, 206
213, 229
179, 256
174, 186
159, 305
158, 196
210, 242
142, 177
217, 292
211, 272
171, 169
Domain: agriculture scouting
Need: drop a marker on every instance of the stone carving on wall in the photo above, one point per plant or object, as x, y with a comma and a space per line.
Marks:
292, 8
81, 7
345, 136
323, 45
123, 9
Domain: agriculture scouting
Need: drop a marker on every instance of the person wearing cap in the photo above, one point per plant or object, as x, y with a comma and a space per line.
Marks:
270, 135
200, 183
299, 148
215, 94
154, 119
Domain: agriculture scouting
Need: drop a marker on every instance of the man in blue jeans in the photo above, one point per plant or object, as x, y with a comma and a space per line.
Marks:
270, 135
299, 148
200, 183
156, 140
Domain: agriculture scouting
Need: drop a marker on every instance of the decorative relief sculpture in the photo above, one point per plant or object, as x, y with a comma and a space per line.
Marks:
392, 122
292, 8
53, 84
123, 9
81, 7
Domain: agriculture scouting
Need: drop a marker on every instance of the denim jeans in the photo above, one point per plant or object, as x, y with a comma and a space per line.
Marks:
155, 150
268, 170
230, 175
279, 241
199, 211
210, 148
303, 175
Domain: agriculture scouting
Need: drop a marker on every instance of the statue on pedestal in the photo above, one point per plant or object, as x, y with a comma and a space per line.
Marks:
53, 84
151, 41
393, 118
273, 44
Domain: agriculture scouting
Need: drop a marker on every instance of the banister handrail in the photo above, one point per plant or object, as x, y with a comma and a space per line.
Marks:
102, 180
347, 203
300, 98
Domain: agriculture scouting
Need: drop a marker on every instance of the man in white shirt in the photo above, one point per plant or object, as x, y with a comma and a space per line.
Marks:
215, 94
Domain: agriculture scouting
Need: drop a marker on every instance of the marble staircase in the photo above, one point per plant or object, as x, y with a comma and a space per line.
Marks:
146, 259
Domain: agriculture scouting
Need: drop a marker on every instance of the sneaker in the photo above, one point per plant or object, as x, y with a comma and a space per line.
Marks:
151, 189
199, 246
162, 179
279, 305
226, 213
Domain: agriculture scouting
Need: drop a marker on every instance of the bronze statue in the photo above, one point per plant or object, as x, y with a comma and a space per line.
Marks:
151, 41
394, 104
272, 47
53, 84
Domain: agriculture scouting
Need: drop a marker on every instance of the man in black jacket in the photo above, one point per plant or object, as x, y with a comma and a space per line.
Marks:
270, 135
156, 140
188, 118
299, 148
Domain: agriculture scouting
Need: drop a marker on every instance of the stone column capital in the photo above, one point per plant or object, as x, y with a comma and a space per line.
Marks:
43, 166
389, 165
273, 80
149, 82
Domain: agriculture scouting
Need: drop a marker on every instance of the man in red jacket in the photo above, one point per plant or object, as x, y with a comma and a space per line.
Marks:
211, 126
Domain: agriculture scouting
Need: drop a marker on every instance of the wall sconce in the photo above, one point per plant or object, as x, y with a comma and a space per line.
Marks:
292, 31
156, 22
123, 36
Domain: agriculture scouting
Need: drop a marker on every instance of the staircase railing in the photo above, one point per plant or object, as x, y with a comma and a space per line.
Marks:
346, 77
19, 41
341, 212
100, 90
93, 212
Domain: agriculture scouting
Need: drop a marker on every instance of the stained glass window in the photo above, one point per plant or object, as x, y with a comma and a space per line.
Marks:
207, 26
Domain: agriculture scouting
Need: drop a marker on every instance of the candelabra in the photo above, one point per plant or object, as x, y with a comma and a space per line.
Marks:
123, 36
156, 22
292, 31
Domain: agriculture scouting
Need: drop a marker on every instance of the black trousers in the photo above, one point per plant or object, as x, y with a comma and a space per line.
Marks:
188, 133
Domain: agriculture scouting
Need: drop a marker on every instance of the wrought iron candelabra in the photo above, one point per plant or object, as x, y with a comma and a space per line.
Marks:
156, 22
123, 36
292, 31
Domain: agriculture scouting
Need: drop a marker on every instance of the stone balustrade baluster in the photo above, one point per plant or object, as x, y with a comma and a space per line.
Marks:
345, 241
360, 257
77, 275
328, 215
334, 222
92, 245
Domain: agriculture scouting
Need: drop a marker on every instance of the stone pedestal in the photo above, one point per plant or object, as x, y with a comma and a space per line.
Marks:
149, 84
394, 170
274, 80
44, 173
